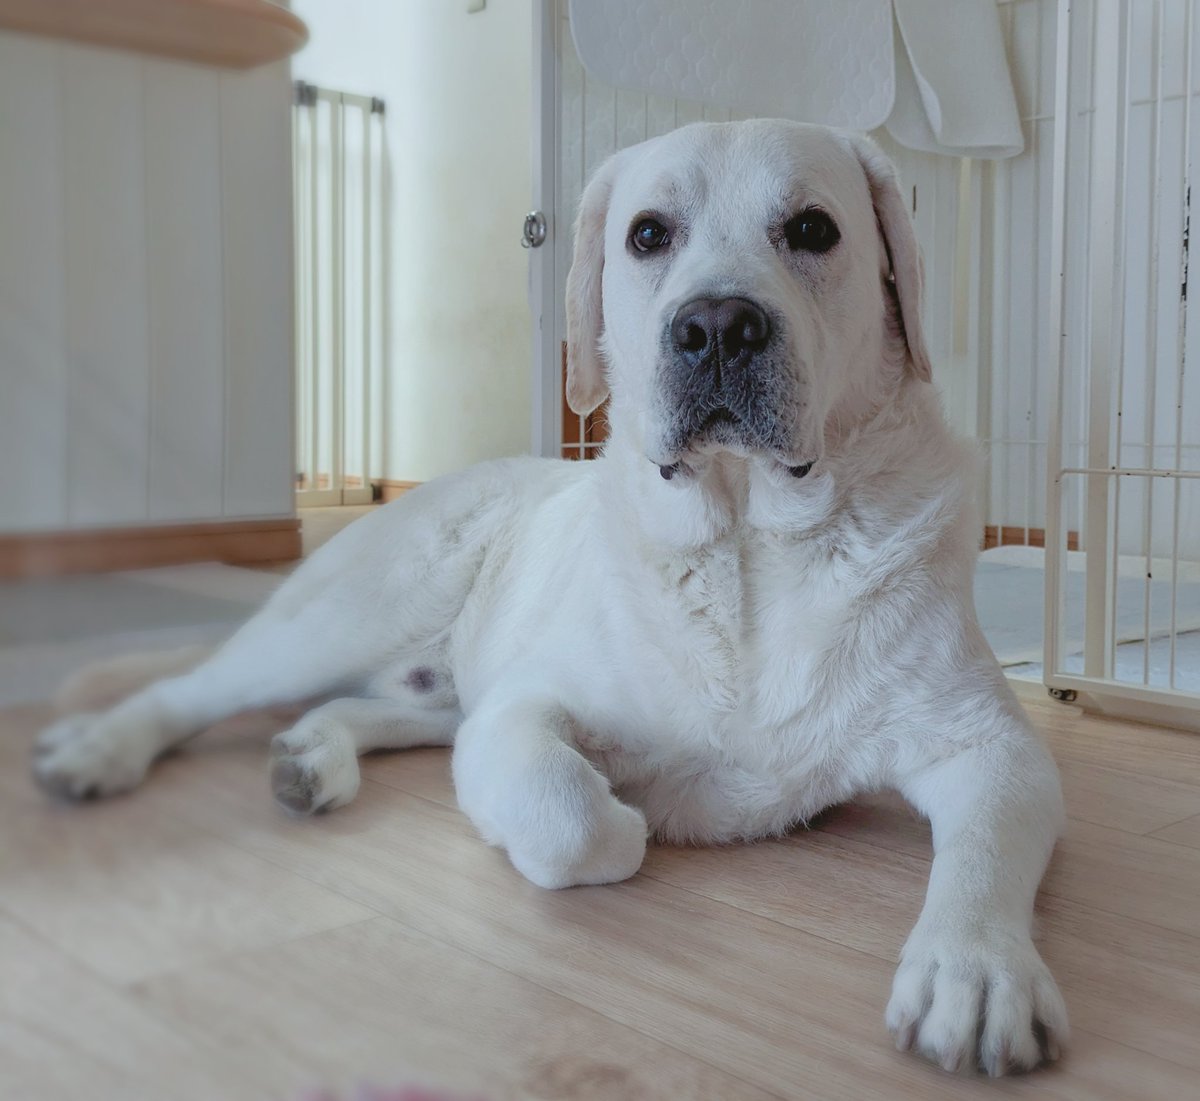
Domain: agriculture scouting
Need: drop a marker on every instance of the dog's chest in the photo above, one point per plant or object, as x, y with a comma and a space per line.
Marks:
702, 601
748, 625
729, 731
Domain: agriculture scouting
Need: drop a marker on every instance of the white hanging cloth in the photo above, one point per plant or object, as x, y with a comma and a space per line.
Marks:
933, 71
954, 93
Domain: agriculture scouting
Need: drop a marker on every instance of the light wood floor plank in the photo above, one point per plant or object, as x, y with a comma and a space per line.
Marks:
812, 881
815, 881
379, 1002
1143, 878
128, 890
418, 861
1134, 983
1186, 832
1124, 800
739, 1005
1139, 877
253, 938
1112, 743
66, 1035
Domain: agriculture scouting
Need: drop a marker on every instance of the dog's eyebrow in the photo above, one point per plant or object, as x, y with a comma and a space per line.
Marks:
680, 194
667, 191
804, 197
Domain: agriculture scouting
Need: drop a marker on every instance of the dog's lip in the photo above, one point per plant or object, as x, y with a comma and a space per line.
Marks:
722, 414
794, 463
794, 466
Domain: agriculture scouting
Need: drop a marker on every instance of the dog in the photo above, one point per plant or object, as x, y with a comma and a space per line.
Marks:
755, 604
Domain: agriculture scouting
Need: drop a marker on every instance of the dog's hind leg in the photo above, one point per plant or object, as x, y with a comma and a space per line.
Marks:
385, 591
283, 655
315, 764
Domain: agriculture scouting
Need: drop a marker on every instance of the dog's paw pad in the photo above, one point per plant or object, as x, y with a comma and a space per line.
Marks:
312, 776
294, 786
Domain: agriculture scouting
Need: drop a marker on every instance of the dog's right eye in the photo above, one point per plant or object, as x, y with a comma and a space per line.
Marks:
649, 234
811, 230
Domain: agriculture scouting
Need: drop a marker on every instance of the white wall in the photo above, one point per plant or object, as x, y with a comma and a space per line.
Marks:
145, 290
457, 89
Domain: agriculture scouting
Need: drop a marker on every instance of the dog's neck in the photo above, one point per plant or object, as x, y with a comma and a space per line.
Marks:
899, 453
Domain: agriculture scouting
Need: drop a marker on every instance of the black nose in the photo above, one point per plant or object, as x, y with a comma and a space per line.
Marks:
723, 327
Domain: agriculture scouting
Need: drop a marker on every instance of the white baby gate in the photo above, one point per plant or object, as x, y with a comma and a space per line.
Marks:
340, 166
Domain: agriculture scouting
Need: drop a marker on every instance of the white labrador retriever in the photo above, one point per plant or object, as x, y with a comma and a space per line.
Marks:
756, 604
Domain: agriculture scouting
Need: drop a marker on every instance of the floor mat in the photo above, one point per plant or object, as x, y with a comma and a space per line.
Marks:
67, 608
51, 627
1010, 600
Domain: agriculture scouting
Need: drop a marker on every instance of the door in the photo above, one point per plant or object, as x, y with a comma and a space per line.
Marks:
540, 234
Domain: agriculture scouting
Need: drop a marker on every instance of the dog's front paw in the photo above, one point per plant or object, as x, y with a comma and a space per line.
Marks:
83, 756
976, 999
614, 850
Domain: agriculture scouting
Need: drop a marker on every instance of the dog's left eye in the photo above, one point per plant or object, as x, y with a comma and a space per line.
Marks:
811, 231
649, 234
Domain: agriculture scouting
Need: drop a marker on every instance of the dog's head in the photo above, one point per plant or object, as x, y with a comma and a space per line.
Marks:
742, 282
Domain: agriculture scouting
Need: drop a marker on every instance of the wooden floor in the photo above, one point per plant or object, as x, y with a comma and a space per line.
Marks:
191, 941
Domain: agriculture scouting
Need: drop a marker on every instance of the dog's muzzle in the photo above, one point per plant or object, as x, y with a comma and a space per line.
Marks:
725, 379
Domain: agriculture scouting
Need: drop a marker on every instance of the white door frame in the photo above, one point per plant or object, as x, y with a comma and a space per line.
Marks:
543, 278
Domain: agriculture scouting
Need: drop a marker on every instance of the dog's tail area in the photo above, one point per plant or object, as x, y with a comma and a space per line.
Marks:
103, 684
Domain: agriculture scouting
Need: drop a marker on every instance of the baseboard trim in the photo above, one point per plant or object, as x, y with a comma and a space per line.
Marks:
995, 535
47, 554
390, 489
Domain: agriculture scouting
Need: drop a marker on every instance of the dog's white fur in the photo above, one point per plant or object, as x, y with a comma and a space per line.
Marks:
711, 658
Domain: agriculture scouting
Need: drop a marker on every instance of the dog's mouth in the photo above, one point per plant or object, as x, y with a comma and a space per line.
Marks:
717, 428
719, 418
669, 470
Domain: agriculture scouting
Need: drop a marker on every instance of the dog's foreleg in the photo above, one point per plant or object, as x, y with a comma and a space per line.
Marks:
315, 764
528, 790
971, 989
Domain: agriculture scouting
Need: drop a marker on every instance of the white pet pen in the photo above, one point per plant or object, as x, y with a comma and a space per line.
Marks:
1057, 305
1124, 441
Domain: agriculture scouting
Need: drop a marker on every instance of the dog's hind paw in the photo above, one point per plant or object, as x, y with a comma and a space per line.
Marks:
85, 756
314, 768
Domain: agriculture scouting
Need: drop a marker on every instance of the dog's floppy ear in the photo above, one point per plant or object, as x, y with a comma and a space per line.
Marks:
587, 386
903, 252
